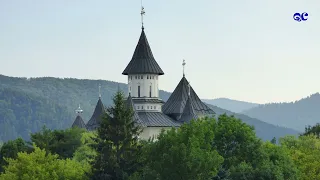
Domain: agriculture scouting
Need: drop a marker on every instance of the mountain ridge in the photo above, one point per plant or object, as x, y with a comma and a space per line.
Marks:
70, 92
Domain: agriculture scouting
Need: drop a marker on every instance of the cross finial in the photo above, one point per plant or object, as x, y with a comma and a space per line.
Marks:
189, 89
99, 90
79, 110
183, 64
142, 13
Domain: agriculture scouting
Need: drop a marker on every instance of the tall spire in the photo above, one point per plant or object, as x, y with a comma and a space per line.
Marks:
79, 110
183, 64
142, 13
99, 90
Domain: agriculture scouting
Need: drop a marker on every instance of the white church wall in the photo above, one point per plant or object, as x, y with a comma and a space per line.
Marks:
144, 81
152, 132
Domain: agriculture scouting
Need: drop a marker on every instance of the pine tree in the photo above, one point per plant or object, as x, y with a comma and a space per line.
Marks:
117, 143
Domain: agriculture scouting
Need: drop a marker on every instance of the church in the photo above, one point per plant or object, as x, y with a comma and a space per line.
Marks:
151, 112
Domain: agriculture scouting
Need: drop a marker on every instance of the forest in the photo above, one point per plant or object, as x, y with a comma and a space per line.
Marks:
222, 148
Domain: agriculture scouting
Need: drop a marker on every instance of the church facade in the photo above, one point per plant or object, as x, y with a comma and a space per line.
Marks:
150, 111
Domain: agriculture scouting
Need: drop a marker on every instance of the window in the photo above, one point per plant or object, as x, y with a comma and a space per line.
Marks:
136, 77
138, 91
130, 88
141, 107
151, 107
154, 107
138, 107
150, 92
141, 77
147, 77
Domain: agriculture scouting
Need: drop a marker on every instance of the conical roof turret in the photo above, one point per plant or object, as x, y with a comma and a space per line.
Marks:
142, 61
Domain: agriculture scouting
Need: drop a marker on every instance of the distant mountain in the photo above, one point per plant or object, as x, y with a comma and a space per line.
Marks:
52, 101
263, 130
230, 104
295, 115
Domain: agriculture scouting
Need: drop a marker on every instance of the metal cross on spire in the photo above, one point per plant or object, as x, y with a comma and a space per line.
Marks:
142, 13
79, 110
183, 64
99, 90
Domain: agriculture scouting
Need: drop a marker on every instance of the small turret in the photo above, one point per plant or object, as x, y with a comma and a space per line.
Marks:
78, 122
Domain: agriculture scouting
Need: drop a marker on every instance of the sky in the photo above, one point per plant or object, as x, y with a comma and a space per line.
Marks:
245, 50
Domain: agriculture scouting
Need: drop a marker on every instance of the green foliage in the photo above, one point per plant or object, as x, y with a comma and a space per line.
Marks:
184, 153
315, 130
246, 157
305, 152
11, 149
61, 142
116, 143
85, 153
40, 165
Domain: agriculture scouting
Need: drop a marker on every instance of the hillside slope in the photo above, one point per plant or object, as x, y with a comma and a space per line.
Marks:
295, 115
22, 113
230, 104
68, 93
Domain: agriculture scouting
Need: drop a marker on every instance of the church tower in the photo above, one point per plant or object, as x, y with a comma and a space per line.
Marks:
143, 77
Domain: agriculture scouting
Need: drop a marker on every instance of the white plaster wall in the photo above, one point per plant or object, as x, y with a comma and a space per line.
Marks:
148, 107
135, 80
152, 132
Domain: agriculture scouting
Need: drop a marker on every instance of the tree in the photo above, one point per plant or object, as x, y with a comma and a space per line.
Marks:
305, 152
61, 142
183, 153
246, 157
42, 165
11, 149
116, 142
315, 130
85, 153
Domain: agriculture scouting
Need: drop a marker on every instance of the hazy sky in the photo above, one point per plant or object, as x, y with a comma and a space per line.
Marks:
248, 50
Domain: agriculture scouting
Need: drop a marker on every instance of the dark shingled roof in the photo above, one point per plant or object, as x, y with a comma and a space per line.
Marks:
157, 119
78, 122
143, 100
188, 113
175, 105
142, 61
95, 119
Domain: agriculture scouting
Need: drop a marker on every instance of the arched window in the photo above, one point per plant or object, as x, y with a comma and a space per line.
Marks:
141, 77
147, 77
138, 91
151, 107
154, 107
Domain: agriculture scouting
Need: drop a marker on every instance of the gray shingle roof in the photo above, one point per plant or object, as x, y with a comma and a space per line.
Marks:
175, 105
188, 113
95, 119
78, 122
142, 61
157, 119
140, 100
